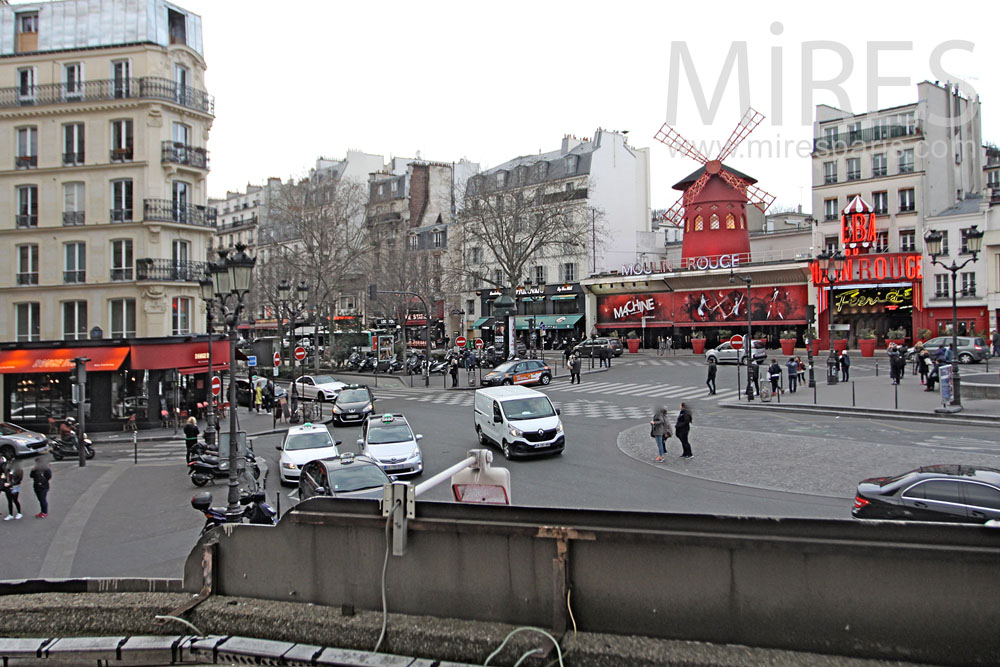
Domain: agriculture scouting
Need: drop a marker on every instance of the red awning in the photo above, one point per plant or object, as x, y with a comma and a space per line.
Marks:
185, 355
196, 370
416, 323
60, 360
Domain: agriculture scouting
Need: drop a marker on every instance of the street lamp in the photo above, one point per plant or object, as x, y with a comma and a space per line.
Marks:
831, 263
231, 277
748, 280
973, 244
293, 309
207, 286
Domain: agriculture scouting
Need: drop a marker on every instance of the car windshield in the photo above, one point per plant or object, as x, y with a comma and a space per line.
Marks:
356, 477
324, 379
504, 367
353, 396
528, 408
10, 429
299, 441
383, 434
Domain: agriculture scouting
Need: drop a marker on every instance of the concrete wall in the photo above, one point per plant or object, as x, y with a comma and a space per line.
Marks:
917, 592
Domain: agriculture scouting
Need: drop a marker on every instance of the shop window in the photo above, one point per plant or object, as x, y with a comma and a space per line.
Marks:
730, 221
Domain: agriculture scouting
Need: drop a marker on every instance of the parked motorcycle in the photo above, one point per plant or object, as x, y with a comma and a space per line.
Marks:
204, 468
255, 510
62, 448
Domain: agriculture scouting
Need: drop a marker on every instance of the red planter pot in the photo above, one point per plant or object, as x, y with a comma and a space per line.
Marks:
840, 344
867, 346
633, 345
815, 347
698, 345
787, 346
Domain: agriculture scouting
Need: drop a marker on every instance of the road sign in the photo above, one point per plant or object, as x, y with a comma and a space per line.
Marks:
461, 341
277, 358
736, 342
216, 385
300, 353
479, 343
252, 360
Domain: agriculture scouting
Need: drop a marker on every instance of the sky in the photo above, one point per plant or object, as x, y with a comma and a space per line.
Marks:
299, 79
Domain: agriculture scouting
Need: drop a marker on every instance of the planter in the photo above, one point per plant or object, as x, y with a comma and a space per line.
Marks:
698, 345
815, 346
867, 346
633, 345
840, 344
787, 346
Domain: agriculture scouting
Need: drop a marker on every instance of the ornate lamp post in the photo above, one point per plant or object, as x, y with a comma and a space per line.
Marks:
207, 286
748, 281
293, 309
831, 263
973, 244
231, 276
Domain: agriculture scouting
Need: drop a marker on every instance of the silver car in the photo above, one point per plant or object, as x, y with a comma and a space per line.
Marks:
16, 441
970, 350
389, 441
725, 353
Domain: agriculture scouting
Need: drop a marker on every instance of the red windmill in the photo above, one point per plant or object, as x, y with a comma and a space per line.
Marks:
712, 210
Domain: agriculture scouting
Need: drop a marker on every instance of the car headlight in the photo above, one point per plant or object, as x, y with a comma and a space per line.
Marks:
559, 429
415, 454
289, 466
516, 432
337, 410
369, 408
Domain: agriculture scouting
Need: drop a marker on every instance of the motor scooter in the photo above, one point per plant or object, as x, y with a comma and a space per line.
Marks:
62, 448
255, 510
204, 468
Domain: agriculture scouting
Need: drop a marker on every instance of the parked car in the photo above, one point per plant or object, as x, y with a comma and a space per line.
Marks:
353, 405
725, 353
317, 387
958, 493
303, 444
589, 347
526, 371
16, 441
617, 348
970, 350
344, 476
390, 442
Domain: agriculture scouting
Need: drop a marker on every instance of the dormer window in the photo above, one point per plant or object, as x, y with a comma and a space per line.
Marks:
26, 24
501, 179
542, 169
571, 163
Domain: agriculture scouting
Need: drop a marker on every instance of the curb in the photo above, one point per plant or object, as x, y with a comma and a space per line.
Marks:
907, 415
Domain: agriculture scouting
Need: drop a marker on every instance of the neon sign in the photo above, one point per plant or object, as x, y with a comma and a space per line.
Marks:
857, 229
892, 299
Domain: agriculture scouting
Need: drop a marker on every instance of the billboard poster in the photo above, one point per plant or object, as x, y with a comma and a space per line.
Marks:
946, 379
784, 303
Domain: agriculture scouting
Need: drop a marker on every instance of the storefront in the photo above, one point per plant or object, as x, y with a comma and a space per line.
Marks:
547, 315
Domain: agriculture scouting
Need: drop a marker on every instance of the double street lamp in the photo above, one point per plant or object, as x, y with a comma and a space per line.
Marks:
748, 281
230, 277
973, 238
293, 309
831, 263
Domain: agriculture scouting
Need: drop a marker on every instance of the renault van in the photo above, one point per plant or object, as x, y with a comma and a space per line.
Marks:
518, 420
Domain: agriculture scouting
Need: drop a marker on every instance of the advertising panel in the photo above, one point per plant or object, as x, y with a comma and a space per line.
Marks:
712, 306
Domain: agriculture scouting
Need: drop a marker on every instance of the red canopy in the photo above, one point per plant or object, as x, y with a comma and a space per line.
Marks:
60, 360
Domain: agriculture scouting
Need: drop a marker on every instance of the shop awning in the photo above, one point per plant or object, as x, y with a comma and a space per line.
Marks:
482, 321
563, 297
550, 321
181, 355
60, 360
416, 323
199, 370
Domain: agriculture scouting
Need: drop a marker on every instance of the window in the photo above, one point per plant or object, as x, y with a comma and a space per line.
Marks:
72, 81
27, 264
882, 241
905, 161
880, 203
27, 206
181, 198
730, 221
122, 317
542, 169
944, 242
121, 259
411, 242
438, 239
347, 304
181, 255
540, 275
965, 242
854, 132
982, 496
832, 136
829, 172
941, 286
27, 87
830, 209
28, 316
121, 200
498, 276
177, 24
993, 179
830, 243
569, 272
73, 144
74, 320
937, 490
907, 240
73, 204
880, 130
968, 283
699, 223
393, 187
181, 84
476, 255
27, 22
713, 222
27, 148
906, 201
879, 165
121, 81
501, 179
571, 163
853, 168
75, 266
121, 140
181, 317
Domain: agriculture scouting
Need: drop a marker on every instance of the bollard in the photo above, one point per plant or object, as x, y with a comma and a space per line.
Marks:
814, 392
853, 403
277, 502
876, 368
135, 446
895, 390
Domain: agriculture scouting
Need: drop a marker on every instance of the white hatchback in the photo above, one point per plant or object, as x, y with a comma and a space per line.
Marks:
301, 445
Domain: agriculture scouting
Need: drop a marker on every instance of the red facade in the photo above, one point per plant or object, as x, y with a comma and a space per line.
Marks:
784, 304
716, 223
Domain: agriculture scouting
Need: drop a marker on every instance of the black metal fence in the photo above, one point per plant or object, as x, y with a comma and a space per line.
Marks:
179, 153
148, 87
148, 268
165, 210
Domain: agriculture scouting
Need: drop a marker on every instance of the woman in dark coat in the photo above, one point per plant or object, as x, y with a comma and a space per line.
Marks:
683, 428
41, 475
191, 435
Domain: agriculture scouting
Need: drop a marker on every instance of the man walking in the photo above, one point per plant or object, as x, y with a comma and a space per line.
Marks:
574, 369
683, 429
845, 366
753, 379
894, 363
774, 375
712, 369
793, 374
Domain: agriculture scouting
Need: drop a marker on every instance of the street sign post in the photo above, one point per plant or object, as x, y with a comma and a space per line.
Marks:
736, 342
461, 341
277, 358
479, 343
300, 353
216, 385
252, 360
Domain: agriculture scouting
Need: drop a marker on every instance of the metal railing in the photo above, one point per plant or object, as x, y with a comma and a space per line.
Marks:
238, 224
72, 159
27, 278
75, 276
149, 87
26, 161
121, 215
74, 218
121, 154
148, 268
120, 274
179, 153
26, 221
165, 210
844, 141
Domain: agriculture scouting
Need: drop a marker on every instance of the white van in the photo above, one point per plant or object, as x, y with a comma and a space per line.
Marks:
518, 420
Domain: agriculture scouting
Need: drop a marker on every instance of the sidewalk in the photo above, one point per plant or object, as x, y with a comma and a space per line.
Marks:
254, 424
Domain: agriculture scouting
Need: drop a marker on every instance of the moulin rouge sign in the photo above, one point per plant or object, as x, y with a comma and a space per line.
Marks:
875, 267
691, 263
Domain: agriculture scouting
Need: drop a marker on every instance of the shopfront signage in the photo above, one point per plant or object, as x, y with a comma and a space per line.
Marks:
564, 288
778, 304
635, 306
494, 292
647, 268
857, 228
890, 298
875, 267
529, 290
714, 262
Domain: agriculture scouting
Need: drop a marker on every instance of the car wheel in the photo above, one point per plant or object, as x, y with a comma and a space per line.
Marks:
507, 381
481, 436
8, 452
505, 448
965, 358
546, 379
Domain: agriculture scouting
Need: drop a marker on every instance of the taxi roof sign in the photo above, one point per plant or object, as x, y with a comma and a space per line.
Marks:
387, 418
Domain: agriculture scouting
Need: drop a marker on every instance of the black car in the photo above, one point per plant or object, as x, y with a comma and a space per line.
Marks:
590, 347
957, 493
344, 476
353, 405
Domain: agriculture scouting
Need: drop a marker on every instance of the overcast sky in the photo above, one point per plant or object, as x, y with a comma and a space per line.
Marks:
297, 79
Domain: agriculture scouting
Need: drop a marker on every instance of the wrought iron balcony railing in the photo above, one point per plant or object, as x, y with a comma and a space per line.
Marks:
26, 161
27, 278
149, 268
237, 224
122, 273
149, 87
121, 154
25, 221
836, 142
74, 276
165, 210
121, 214
175, 151
74, 218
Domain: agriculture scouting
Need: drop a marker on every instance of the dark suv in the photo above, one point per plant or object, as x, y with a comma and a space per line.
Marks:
958, 493
590, 347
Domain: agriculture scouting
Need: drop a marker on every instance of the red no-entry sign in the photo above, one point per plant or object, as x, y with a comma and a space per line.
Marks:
479, 343
461, 341
216, 385
736, 342
300, 353
277, 358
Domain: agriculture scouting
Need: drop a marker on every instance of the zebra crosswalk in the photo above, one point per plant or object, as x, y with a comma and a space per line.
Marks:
644, 390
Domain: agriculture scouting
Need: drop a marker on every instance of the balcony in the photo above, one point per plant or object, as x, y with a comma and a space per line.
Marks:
149, 87
74, 277
178, 153
27, 221
839, 142
237, 224
165, 210
148, 268
26, 161
121, 215
72, 159
121, 154
74, 218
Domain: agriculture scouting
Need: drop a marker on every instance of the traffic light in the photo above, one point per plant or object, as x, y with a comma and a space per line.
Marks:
811, 314
372, 292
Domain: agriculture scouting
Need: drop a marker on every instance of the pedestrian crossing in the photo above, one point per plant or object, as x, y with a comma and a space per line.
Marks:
644, 390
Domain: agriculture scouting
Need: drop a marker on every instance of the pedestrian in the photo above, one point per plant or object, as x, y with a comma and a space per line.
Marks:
845, 366
258, 396
575, 364
268, 397
793, 374
191, 436
453, 371
894, 363
932, 370
923, 364
774, 375
567, 353
659, 430
996, 343
712, 370
609, 354
753, 379
661, 346
683, 428
802, 369
10, 478
41, 476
